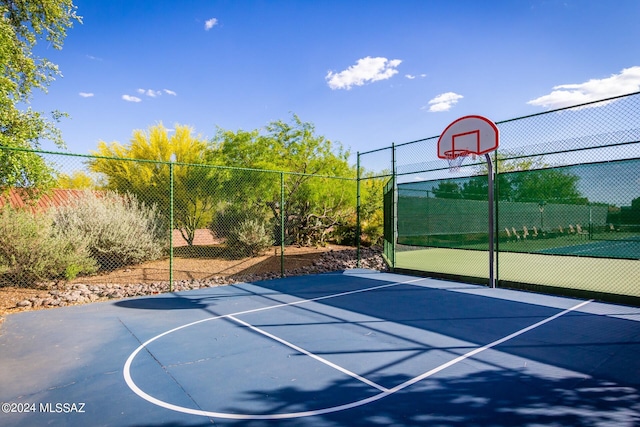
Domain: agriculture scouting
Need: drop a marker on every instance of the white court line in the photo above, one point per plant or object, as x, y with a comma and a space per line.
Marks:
486, 347
126, 371
308, 353
384, 393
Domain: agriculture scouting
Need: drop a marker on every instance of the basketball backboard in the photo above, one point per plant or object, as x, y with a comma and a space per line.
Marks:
468, 135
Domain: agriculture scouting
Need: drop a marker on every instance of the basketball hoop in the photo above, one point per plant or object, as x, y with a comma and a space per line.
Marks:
456, 159
467, 136
473, 135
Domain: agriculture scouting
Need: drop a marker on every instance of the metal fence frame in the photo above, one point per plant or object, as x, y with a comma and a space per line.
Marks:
554, 134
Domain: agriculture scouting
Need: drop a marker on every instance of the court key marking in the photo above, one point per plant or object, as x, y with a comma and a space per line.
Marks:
384, 392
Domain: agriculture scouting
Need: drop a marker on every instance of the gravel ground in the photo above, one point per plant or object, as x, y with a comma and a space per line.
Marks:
80, 293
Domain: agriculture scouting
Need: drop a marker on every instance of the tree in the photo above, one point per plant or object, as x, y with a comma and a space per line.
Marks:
550, 185
22, 25
372, 206
447, 189
313, 206
476, 188
78, 180
148, 178
525, 179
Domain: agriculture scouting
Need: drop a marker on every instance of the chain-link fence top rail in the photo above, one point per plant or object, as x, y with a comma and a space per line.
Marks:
112, 216
591, 132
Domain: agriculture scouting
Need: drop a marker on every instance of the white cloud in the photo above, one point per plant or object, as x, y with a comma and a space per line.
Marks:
411, 76
210, 23
443, 102
366, 70
85, 94
130, 98
571, 94
154, 93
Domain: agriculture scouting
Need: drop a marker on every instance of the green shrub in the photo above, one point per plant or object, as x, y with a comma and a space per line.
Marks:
250, 238
226, 220
33, 251
118, 229
345, 234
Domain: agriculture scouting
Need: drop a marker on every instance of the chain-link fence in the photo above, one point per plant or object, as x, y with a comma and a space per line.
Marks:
567, 204
125, 221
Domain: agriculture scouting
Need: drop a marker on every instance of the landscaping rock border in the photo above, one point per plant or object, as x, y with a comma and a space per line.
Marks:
370, 258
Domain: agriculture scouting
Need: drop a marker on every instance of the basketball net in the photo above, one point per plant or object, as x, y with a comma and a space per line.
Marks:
456, 159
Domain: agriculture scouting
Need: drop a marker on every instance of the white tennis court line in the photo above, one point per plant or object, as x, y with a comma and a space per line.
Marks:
384, 391
594, 247
308, 353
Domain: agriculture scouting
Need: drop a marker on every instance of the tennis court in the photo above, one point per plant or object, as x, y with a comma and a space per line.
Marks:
351, 348
629, 249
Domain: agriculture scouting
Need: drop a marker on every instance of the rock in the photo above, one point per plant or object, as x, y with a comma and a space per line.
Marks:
80, 293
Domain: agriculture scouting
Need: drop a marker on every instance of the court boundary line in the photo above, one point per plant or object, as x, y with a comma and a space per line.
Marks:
133, 386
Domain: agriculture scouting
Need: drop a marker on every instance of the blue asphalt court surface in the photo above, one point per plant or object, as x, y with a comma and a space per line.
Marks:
355, 348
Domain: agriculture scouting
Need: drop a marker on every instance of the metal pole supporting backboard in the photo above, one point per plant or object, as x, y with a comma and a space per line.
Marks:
394, 176
492, 281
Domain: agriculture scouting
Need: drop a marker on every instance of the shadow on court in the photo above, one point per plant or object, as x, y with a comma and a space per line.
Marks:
175, 302
593, 377
491, 398
251, 349
601, 346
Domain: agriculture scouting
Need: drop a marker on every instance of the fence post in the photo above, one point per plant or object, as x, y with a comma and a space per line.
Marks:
394, 203
490, 176
282, 223
358, 211
496, 192
590, 221
171, 226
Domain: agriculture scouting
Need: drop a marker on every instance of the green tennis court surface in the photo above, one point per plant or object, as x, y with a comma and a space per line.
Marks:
603, 275
358, 348
622, 247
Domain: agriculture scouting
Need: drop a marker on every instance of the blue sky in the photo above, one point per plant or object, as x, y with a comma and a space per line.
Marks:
366, 73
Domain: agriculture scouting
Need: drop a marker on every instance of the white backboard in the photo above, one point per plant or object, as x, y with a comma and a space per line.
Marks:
468, 135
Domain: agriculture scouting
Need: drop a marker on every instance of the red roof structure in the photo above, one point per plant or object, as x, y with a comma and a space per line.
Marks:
20, 198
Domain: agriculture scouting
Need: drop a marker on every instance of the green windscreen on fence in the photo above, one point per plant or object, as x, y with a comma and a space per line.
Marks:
590, 210
389, 217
